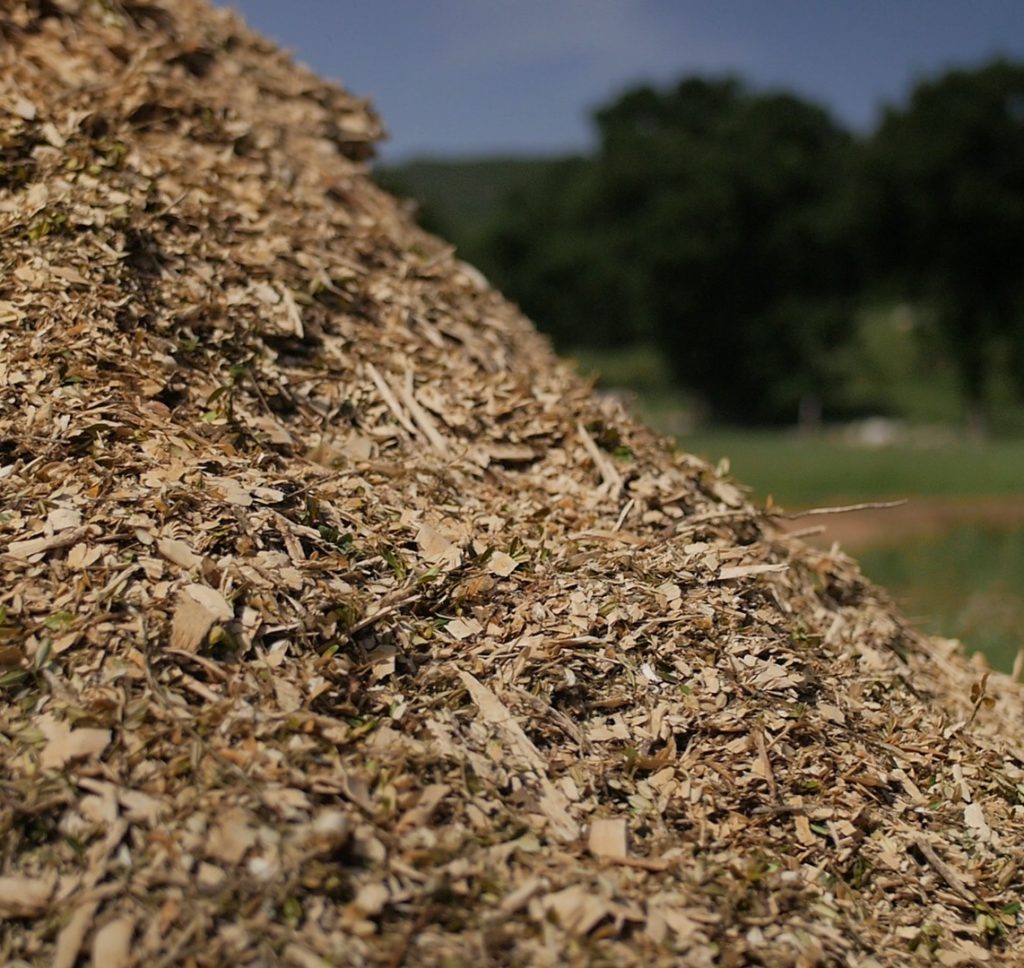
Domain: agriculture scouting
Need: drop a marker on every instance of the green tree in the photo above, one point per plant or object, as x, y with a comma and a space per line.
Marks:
556, 254
945, 203
713, 219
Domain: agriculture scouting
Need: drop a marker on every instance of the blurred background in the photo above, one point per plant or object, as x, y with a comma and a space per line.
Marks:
789, 234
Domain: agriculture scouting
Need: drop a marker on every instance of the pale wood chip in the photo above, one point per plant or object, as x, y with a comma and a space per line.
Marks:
36, 546
974, 817
747, 571
111, 945
231, 837
607, 837
178, 552
576, 909
428, 802
72, 935
25, 897
63, 518
438, 548
463, 628
199, 609
230, 490
501, 564
65, 745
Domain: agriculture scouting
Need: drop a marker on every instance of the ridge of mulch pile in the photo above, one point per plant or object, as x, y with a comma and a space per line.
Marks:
340, 624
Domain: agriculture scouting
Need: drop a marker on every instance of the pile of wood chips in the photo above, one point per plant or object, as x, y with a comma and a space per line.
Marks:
340, 624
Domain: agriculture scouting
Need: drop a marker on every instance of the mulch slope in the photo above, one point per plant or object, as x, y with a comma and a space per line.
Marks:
342, 624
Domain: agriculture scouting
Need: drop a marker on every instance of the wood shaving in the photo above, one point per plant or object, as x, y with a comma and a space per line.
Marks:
340, 623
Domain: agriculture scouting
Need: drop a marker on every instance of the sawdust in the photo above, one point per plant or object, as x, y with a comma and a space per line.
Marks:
342, 625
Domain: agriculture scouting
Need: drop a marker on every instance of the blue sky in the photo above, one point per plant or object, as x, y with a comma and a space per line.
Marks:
482, 77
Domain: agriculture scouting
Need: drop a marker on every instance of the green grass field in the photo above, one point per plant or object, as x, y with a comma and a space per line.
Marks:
798, 471
967, 584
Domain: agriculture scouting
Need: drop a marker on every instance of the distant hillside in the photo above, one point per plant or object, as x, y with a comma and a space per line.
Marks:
459, 198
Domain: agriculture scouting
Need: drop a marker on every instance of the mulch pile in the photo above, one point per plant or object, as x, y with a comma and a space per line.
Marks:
340, 623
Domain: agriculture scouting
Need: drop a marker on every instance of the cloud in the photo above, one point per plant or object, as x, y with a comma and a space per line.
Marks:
612, 36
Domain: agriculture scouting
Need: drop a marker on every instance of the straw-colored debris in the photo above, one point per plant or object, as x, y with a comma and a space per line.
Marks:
342, 625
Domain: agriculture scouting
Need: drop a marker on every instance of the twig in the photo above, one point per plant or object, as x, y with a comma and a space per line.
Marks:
773, 810
807, 532
611, 481
112, 586
766, 763
259, 393
945, 871
843, 509
684, 525
624, 513
18, 550
423, 918
381, 613
655, 864
978, 694
389, 398
171, 205
318, 481
422, 418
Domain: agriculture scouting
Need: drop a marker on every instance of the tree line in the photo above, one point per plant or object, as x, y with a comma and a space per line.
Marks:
740, 231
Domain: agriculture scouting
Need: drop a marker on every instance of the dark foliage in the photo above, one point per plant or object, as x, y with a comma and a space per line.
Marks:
713, 220
945, 206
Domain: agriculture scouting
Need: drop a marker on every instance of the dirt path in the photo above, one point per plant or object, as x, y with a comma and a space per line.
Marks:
920, 517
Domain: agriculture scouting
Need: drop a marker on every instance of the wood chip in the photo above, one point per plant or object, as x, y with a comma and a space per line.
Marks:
111, 945
199, 609
37, 546
501, 564
25, 897
65, 745
335, 629
607, 837
179, 553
